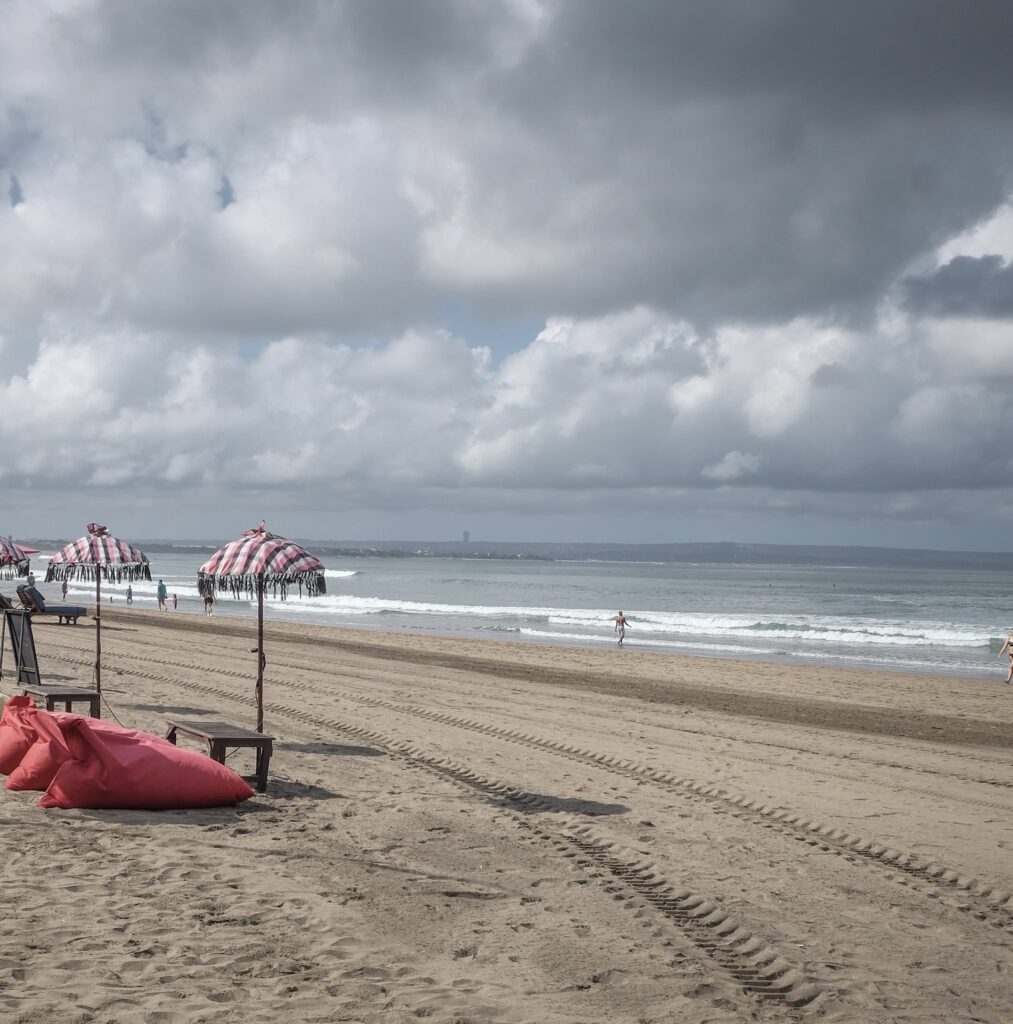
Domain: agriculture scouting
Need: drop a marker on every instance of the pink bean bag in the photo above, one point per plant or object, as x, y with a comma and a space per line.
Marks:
17, 734
85, 762
44, 757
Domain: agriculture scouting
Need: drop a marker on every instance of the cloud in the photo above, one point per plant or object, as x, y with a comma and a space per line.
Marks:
732, 466
718, 163
967, 286
770, 246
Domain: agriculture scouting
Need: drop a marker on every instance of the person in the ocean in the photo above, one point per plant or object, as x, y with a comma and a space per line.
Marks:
130, 594
620, 621
1008, 647
161, 593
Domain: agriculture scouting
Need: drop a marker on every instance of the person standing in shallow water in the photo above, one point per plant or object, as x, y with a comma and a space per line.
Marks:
161, 594
1008, 648
620, 621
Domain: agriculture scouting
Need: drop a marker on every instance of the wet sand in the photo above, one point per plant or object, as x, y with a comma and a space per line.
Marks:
476, 831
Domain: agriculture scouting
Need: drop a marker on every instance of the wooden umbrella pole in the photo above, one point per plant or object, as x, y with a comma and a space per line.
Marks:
260, 653
98, 630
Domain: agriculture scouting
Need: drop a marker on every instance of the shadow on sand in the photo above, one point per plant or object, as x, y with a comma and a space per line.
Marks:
338, 749
171, 709
548, 804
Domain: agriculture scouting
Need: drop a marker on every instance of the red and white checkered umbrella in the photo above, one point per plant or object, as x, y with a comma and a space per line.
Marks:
261, 559
13, 559
99, 554
96, 555
257, 561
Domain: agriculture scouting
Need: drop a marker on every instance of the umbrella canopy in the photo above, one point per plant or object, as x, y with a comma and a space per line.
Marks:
96, 555
99, 554
13, 559
259, 560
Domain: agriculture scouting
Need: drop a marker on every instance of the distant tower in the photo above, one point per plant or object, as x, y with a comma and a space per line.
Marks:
467, 536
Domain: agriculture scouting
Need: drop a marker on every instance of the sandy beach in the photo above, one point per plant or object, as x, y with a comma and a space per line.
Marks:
474, 831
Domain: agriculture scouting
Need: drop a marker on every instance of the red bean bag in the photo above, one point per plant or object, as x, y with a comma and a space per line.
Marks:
42, 760
17, 734
125, 768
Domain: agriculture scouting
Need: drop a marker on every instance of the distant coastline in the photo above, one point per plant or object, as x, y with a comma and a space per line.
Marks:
717, 553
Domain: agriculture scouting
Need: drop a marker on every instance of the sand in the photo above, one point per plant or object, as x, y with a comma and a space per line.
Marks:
464, 831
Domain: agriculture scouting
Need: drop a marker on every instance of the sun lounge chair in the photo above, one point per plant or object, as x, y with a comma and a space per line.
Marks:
37, 605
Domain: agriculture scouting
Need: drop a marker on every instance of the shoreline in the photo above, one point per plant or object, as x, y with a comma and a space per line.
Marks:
634, 644
786, 693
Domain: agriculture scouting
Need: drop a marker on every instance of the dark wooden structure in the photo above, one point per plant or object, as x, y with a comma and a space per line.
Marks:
18, 624
65, 695
219, 736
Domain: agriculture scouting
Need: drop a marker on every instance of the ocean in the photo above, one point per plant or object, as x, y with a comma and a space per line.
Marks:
925, 620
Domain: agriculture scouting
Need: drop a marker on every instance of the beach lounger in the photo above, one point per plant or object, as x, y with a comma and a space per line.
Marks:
37, 605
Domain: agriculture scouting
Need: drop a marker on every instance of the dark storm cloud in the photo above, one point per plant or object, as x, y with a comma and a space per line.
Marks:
842, 58
967, 286
763, 160
721, 161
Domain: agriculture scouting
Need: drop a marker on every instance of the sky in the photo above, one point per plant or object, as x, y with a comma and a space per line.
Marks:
538, 269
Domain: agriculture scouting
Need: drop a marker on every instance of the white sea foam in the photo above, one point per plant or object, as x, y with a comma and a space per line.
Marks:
676, 627
630, 642
338, 574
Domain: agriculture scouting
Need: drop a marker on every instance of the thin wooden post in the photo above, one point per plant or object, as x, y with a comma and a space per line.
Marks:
260, 653
98, 629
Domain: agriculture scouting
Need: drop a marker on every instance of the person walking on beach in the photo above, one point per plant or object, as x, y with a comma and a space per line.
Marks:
175, 602
65, 590
130, 594
1008, 648
209, 604
161, 595
620, 621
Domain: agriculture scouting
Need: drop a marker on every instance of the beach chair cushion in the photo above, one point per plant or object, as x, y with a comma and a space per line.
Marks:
17, 734
33, 600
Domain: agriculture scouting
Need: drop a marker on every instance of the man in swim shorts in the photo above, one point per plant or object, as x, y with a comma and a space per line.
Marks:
1008, 646
620, 621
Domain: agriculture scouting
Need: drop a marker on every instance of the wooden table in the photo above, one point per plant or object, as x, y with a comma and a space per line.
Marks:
219, 736
65, 695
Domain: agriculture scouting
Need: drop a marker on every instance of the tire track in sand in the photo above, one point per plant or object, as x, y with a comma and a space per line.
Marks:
749, 961
986, 902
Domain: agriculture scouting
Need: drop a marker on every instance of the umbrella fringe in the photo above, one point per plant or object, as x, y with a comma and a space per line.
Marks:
91, 571
10, 572
278, 583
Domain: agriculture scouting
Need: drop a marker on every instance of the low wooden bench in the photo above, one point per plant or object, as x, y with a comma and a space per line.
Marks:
65, 695
219, 736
